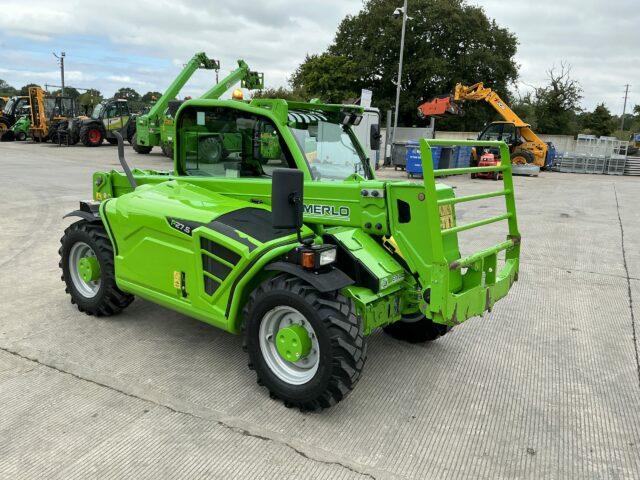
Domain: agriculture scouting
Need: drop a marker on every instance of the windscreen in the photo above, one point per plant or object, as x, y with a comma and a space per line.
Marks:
330, 148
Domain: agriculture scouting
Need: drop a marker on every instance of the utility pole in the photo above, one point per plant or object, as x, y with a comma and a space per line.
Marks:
624, 108
399, 86
61, 63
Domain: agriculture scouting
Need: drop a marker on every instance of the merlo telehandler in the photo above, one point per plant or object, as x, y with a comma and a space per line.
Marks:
273, 226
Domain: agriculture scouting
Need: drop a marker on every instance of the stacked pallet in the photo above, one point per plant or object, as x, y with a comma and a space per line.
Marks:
576, 163
632, 166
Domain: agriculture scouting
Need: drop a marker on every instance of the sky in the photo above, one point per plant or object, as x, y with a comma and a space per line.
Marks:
143, 44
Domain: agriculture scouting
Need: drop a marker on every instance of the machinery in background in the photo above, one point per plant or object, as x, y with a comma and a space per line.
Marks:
527, 149
12, 110
149, 127
108, 117
634, 144
20, 129
48, 114
156, 128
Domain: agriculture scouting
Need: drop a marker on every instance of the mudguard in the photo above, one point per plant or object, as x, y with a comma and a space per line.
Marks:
328, 281
88, 211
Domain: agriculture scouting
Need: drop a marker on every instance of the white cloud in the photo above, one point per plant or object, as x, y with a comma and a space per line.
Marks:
599, 39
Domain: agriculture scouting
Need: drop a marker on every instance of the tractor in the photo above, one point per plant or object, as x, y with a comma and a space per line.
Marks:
107, 118
12, 110
272, 226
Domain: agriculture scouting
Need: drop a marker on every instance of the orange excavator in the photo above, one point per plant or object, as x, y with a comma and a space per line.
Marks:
525, 146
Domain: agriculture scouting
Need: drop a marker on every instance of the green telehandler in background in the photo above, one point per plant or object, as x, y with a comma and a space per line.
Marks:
156, 128
273, 226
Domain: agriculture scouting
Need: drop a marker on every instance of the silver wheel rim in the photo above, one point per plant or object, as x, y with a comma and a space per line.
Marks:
293, 373
86, 289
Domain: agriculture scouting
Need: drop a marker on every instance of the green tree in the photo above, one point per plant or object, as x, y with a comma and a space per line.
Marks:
558, 103
150, 97
68, 92
447, 41
282, 92
24, 91
127, 93
88, 100
554, 107
599, 122
7, 90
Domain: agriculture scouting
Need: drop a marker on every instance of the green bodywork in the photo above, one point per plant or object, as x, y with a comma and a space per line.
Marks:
22, 126
157, 127
404, 235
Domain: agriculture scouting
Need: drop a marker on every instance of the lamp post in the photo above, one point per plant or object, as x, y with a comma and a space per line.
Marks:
397, 12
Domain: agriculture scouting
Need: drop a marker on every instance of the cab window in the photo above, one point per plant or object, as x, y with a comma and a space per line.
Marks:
112, 111
122, 109
224, 142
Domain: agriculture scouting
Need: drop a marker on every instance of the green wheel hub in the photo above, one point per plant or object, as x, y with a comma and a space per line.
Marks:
293, 343
89, 269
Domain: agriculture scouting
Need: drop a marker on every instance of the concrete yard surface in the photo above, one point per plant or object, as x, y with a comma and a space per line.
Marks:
547, 385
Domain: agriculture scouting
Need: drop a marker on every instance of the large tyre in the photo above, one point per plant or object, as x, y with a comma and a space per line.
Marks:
307, 348
522, 157
416, 329
139, 148
167, 149
91, 136
86, 260
5, 127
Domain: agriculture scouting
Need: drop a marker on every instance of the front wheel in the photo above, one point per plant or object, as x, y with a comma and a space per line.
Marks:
86, 260
91, 136
307, 348
137, 147
416, 329
167, 149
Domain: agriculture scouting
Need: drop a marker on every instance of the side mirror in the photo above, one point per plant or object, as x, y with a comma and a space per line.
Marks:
374, 140
287, 186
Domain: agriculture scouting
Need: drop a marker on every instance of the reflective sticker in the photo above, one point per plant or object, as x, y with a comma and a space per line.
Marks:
446, 217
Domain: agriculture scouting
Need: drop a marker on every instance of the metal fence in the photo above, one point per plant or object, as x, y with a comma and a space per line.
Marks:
594, 155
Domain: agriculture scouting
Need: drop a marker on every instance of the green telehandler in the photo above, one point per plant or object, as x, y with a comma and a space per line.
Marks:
272, 225
156, 128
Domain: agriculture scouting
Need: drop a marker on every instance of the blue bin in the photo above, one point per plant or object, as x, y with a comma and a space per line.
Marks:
462, 157
414, 161
551, 155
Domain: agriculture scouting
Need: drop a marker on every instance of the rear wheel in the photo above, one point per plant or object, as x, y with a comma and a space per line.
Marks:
21, 136
522, 157
4, 126
307, 348
139, 148
416, 329
91, 136
86, 260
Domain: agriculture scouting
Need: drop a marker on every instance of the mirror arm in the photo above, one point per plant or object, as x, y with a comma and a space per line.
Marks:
296, 200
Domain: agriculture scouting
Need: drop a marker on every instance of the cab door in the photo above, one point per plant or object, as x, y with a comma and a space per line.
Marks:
117, 116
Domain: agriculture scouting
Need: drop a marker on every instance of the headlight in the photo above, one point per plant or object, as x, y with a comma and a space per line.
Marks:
328, 256
317, 256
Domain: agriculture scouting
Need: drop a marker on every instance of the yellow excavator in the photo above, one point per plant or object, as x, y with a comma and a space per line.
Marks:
47, 114
526, 147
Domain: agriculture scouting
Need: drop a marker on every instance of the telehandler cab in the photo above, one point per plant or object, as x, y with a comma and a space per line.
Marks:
273, 226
